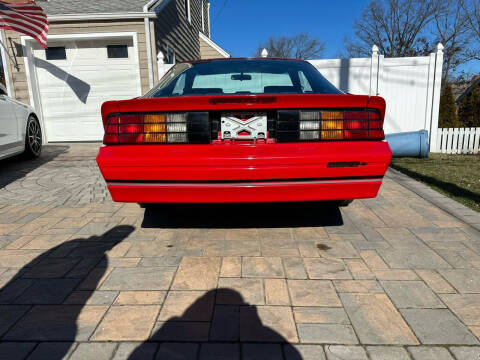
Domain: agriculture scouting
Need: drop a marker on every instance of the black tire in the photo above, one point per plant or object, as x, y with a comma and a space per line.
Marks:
33, 138
344, 203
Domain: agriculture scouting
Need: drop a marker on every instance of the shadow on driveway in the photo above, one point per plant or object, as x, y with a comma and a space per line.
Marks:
16, 167
35, 297
225, 216
235, 329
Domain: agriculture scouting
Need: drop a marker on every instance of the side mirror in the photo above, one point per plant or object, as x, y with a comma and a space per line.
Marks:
3, 90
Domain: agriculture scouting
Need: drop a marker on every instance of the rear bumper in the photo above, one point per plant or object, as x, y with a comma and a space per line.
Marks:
243, 173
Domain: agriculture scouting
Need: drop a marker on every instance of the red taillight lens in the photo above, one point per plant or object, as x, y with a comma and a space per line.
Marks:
146, 128
339, 125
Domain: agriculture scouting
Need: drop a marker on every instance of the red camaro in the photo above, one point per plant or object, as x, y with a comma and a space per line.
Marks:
243, 130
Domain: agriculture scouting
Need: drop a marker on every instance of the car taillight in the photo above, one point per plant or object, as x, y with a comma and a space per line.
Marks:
318, 125
157, 128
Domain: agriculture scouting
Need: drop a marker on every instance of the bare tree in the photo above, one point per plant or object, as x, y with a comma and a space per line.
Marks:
451, 28
300, 46
472, 10
397, 27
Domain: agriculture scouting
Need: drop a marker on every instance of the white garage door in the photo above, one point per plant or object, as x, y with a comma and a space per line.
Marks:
75, 77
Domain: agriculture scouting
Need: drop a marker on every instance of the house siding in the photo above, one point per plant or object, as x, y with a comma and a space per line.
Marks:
13, 43
173, 29
207, 51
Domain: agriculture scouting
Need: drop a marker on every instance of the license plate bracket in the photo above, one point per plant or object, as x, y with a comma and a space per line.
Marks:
243, 126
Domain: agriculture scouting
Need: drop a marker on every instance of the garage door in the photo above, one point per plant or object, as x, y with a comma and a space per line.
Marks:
75, 77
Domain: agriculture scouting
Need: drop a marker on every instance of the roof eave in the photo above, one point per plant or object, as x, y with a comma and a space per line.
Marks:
101, 16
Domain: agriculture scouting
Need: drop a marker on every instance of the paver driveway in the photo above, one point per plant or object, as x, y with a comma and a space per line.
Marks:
82, 277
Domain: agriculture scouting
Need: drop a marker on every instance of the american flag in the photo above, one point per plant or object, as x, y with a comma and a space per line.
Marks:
25, 17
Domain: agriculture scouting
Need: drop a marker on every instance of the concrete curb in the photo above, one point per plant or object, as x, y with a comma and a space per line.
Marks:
448, 205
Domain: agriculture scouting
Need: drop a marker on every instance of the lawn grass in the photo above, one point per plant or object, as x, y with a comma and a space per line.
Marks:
456, 176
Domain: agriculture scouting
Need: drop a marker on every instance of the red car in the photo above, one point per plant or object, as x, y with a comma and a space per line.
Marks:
243, 130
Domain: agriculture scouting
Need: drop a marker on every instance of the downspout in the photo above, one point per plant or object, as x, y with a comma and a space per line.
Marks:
208, 16
148, 40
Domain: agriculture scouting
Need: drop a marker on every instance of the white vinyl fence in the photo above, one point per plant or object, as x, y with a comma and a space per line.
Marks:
458, 140
410, 86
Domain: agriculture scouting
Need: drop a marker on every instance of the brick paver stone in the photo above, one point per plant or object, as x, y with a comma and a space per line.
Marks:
466, 353
358, 286
387, 353
375, 319
135, 350
173, 351
326, 333
340, 352
100, 351
307, 352
270, 267
267, 324
276, 292
464, 280
320, 315
231, 267
127, 323
411, 294
313, 293
219, 351
438, 326
261, 351
57, 323
237, 291
435, 281
465, 306
430, 353
188, 306
14, 350
320, 268
197, 273
139, 278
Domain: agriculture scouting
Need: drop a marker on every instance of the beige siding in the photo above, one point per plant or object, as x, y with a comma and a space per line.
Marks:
207, 51
19, 80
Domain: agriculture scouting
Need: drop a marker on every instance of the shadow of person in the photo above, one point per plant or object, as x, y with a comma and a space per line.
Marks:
219, 325
45, 300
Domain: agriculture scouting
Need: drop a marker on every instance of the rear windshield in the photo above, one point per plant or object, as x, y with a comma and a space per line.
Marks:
242, 77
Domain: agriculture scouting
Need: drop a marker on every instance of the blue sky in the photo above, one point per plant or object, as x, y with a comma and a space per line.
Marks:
239, 26
242, 24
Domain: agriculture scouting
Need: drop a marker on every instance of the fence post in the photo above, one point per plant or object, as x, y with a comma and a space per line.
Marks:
434, 146
373, 90
437, 86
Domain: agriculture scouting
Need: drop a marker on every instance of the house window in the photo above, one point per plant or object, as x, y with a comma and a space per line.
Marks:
55, 53
117, 51
170, 55
187, 11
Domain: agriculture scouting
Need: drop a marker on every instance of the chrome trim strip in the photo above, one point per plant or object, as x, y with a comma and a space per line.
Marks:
244, 184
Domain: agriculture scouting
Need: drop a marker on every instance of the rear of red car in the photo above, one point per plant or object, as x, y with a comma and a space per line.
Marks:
295, 139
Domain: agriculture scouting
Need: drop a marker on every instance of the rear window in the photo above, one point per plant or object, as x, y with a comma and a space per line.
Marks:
242, 77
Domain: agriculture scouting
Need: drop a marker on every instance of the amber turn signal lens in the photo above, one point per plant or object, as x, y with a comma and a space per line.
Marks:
155, 138
153, 128
332, 115
153, 118
332, 125
332, 134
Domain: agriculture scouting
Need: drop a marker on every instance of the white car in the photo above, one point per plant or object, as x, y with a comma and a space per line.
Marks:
20, 130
